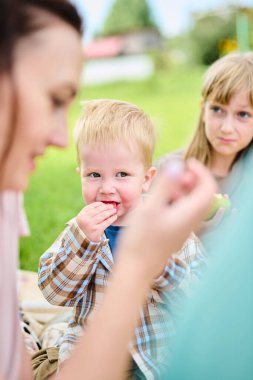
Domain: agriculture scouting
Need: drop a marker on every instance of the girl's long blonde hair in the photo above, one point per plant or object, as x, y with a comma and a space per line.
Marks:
226, 77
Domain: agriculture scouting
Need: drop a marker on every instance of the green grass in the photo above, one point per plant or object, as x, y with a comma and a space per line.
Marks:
54, 195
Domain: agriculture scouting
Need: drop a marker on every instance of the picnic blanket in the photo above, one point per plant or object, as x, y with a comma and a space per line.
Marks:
43, 324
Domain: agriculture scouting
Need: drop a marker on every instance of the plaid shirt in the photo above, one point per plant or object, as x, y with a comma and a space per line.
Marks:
74, 272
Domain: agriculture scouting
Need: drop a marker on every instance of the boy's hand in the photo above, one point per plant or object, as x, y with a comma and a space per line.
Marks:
95, 218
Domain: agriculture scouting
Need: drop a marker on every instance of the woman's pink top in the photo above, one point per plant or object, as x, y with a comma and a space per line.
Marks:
12, 225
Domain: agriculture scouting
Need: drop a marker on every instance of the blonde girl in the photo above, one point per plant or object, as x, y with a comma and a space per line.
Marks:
223, 138
225, 128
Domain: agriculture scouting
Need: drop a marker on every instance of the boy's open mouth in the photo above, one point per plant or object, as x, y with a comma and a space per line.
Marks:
115, 204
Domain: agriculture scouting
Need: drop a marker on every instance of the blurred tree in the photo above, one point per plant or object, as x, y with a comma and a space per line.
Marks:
207, 33
242, 27
128, 15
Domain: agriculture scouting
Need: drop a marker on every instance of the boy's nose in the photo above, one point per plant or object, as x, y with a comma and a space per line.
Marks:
107, 187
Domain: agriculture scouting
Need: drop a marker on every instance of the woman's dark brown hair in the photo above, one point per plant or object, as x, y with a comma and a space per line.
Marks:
29, 10
7, 33
19, 19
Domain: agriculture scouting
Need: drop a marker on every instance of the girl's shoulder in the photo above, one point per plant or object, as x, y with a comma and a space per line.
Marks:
234, 182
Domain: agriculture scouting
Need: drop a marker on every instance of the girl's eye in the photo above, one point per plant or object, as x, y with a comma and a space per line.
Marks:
93, 175
121, 174
216, 109
243, 114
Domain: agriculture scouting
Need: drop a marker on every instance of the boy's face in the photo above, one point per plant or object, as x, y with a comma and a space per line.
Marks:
114, 174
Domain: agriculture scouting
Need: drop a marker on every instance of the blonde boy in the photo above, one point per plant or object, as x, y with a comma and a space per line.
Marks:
115, 142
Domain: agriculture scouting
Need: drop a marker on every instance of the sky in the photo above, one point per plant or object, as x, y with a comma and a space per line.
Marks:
172, 16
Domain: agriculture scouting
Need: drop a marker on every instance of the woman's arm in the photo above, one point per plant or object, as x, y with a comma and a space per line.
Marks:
25, 372
26, 368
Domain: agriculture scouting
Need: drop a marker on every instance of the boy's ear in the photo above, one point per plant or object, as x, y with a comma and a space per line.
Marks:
78, 170
150, 173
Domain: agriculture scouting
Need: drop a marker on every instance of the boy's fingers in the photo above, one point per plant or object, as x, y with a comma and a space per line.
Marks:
104, 215
96, 208
106, 223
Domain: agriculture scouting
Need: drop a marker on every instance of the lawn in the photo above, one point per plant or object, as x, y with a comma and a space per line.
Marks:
172, 99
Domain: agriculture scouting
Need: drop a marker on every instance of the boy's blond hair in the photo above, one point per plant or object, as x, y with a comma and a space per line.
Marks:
229, 75
106, 121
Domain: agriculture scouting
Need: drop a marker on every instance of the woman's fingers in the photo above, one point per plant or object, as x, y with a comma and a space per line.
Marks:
201, 193
167, 184
191, 188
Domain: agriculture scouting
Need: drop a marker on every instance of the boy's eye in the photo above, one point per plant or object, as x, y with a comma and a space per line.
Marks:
121, 174
93, 175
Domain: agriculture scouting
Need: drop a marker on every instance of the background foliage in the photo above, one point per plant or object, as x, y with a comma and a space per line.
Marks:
207, 35
126, 16
171, 97
54, 197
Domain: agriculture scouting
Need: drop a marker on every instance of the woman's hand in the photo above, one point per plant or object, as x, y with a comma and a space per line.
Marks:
159, 226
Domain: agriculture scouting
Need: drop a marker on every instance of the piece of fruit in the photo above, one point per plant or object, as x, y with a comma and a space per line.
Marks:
219, 201
114, 204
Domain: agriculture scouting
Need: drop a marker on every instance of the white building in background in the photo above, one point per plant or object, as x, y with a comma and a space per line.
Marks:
122, 57
99, 71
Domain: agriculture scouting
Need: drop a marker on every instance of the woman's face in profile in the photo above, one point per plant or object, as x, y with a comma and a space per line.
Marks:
46, 73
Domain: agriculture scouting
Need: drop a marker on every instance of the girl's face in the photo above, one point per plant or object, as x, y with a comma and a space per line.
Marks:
229, 128
46, 74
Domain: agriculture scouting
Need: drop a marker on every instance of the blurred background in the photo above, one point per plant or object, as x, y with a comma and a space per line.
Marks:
149, 52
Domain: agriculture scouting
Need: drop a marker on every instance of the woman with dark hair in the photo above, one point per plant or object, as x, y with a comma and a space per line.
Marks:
37, 34
41, 60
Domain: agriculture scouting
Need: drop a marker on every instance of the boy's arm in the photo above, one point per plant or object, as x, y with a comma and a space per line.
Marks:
67, 267
186, 262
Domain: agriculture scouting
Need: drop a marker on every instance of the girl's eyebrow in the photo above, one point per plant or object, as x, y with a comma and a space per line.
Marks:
245, 106
214, 101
